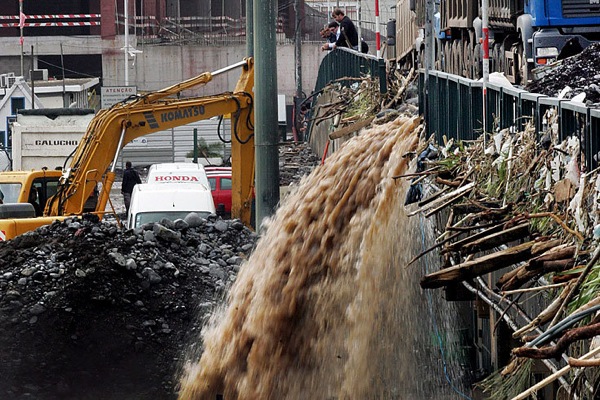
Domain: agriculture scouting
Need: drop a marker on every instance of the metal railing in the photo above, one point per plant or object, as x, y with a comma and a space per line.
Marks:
339, 64
345, 63
455, 110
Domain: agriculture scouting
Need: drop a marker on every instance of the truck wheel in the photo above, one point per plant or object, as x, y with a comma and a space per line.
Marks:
524, 68
477, 61
467, 60
446, 61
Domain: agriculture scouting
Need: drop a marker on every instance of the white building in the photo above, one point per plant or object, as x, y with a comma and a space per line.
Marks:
17, 94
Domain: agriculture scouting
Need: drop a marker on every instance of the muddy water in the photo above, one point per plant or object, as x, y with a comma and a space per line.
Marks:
325, 308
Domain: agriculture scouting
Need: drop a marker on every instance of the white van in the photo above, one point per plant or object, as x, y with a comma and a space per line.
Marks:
151, 202
177, 173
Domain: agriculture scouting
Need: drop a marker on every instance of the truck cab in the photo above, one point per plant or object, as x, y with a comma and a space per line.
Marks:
151, 202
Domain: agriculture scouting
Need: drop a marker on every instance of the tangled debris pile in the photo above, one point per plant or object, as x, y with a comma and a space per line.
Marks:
580, 73
91, 311
531, 214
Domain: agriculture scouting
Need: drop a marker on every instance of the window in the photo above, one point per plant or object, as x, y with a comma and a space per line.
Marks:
351, 13
16, 104
9, 121
213, 183
10, 192
225, 183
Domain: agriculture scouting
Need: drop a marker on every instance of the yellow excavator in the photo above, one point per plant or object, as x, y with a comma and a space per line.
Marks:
94, 159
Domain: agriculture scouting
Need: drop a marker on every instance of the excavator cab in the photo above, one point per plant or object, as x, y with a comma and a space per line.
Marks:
29, 186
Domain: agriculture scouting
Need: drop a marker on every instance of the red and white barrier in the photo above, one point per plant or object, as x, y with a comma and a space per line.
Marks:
47, 24
51, 16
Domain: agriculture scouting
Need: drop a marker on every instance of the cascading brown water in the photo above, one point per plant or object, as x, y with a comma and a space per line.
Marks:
325, 307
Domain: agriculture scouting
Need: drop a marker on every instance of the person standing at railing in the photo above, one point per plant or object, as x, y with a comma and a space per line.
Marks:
348, 31
332, 34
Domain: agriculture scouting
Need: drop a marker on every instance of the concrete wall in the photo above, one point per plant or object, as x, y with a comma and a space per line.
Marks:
161, 66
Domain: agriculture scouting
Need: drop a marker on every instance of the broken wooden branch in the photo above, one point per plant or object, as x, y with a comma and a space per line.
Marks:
558, 374
452, 196
479, 266
539, 247
579, 363
409, 78
413, 174
475, 206
558, 220
561, 252
433, 197
435, 246
454, 183
524, 275
572, 335
456, 246
532, 289
347, 130
496, 238
545, 315
578, 284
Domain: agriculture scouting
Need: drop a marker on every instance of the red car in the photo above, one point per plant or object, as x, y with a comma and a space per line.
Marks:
220, 185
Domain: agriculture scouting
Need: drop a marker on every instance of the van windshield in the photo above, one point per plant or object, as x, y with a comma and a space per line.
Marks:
155, 216
9, 192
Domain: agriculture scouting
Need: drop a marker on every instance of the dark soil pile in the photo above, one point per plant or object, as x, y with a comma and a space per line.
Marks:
580, 72
91, 311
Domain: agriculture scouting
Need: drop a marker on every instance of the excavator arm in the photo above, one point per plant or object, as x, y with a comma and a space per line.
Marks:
111, 129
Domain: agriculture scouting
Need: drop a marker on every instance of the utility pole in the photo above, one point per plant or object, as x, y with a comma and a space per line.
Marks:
298, 54
32, 81
486, 61
266, 137
62, 66
377, 32
21, 38
126, 47
429, 50
249, 28
358, 24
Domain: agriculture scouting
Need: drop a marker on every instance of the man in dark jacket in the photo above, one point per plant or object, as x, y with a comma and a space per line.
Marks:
348, 34
333, 30
130, 179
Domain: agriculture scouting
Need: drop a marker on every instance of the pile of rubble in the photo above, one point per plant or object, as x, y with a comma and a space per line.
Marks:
89, 310
580, 73
296, 159
528, 213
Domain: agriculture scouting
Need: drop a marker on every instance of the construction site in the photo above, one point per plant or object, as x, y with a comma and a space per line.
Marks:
420, 221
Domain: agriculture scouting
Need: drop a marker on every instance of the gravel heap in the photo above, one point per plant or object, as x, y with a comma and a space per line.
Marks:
295, 161
92, 311
580, 72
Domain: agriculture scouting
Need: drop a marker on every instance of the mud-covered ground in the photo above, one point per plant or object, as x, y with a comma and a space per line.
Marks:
89, 310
